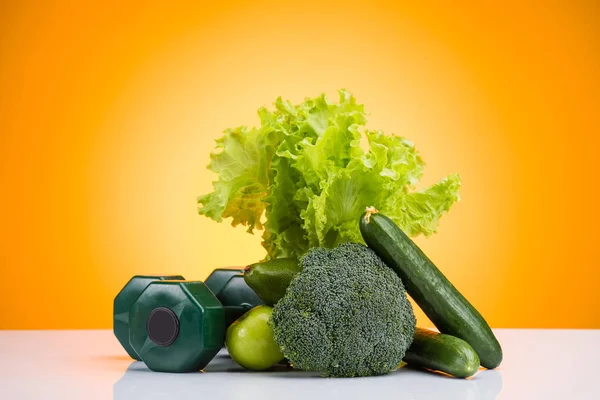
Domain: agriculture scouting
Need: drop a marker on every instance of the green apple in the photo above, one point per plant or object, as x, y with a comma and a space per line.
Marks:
250, 340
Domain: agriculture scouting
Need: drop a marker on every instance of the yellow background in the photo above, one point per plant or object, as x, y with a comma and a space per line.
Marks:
108, 112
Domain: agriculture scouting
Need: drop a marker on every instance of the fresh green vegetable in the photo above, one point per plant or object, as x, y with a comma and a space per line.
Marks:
345, 314
305, 170
249, 340
270, 279
440, 300
441, 352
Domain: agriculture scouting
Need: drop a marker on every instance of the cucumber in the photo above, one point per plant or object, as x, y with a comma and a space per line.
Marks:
270, 279
438, 298
441, 352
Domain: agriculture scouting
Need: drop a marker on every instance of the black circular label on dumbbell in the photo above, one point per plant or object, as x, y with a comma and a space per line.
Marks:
162, 326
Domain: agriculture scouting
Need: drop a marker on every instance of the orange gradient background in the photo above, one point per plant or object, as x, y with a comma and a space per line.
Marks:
108, 112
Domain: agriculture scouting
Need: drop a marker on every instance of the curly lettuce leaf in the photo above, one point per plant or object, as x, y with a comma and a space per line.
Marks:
303, 177
420, 212
242, 160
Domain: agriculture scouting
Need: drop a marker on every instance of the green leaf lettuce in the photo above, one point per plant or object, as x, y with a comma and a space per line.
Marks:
303, 178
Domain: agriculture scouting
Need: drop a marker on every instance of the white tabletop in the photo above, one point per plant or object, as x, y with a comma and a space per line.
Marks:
538, 364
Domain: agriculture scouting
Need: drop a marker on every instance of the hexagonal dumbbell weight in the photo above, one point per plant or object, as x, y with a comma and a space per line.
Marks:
226, 285
123, 302
233, 292
177, 326
217, 279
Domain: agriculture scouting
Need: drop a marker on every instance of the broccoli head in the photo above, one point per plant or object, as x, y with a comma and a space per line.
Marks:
346, 314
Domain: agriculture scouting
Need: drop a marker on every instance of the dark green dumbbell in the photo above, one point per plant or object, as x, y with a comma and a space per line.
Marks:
226, 287
237, 298
123, 302
177, 326
219, 278
232, 291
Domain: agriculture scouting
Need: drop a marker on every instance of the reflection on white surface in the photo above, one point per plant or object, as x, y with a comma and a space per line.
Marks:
75, 365
223, 378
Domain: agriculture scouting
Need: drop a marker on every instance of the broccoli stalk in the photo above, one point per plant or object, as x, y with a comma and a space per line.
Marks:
346, 314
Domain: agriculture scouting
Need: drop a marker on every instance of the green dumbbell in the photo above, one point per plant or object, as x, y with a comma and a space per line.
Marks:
219, 278
232, 291
136, 285
154, 325
237, 298
177, 326
123, 302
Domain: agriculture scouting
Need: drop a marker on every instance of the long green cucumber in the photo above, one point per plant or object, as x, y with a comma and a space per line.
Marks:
270, 279
441, 352
432, 291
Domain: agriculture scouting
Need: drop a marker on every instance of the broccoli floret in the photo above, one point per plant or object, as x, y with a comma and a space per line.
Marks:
346, 314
